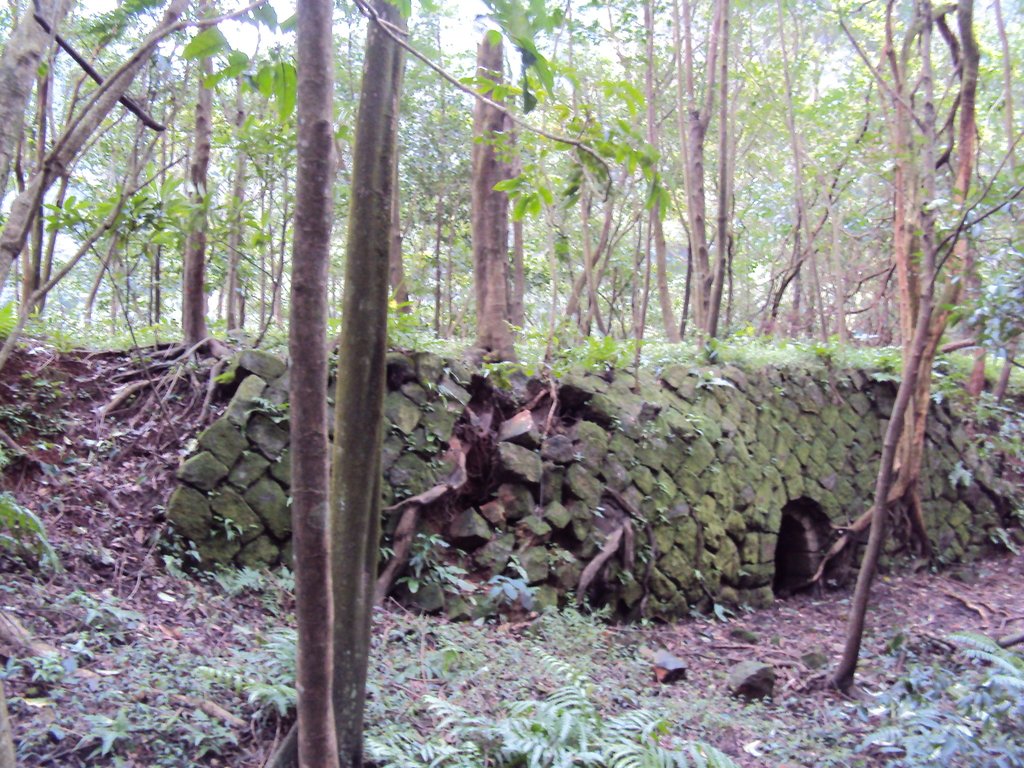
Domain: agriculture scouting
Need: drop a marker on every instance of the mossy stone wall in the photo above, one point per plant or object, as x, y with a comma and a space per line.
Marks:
701, 463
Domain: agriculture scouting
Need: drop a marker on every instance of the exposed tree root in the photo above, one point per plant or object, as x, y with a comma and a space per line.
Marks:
608, 551
1011, 640
406, 530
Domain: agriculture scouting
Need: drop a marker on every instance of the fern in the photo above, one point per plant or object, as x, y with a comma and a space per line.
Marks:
959, 718
564, 730
265, 697
22, 534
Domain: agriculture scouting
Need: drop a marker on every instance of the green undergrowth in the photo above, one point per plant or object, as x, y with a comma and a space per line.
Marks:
566, 688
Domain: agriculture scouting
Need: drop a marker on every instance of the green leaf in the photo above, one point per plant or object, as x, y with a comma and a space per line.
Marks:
266, 14
207, 43
285, 89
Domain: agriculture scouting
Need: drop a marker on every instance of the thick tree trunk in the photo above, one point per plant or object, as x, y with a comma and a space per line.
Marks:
490, 216
356, 468
314, 185
193, 298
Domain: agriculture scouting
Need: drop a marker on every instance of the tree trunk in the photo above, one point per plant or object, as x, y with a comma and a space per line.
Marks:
235, 309
314, 199
7, 758
19, 67
654, 221
67, 147
724, 181
356, 468
399, 288
193, 290
490, 216
693, 125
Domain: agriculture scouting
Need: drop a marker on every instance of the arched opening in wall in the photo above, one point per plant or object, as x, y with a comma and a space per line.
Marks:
803, 540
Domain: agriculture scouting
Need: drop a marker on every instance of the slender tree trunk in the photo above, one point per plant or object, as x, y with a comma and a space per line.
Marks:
236, 298
694, 131
490, 216
193, 310
724, 181
7, 758
317, 744
399, 287
654, 220
356, 468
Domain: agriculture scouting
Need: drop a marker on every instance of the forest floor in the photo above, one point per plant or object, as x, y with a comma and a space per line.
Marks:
124, 658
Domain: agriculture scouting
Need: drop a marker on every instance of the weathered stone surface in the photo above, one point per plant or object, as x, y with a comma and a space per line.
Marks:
428, 598
469, 529
281, 470
401, 412
493, 512
534, 561
203, 471
244, 401
268, 501
261, 552
591, 443
236, 514
189, 513
269, 437
493, 557
263, 364
708, 464
559, 449
752, 680
217, 549
248, 469
521, 430
223, 440
557, 515
583, 485
519, 464
516, 500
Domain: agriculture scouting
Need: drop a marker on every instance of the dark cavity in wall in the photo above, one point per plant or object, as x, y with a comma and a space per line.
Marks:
804, 538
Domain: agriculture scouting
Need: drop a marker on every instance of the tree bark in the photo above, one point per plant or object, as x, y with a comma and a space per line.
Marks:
399, 288
490, 215
693, 127
654, 221
236, 298
18, 69
314, 185
193, 308
724, 181
356, 468
66, 148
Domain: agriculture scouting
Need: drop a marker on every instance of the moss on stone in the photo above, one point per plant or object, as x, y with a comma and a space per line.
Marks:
268, 500
401, 413
263, 364
188, 511
261, 552
248, 469
203, 471
232, 508
244, 400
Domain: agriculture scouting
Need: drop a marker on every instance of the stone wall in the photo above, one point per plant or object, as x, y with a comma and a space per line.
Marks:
682, 487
